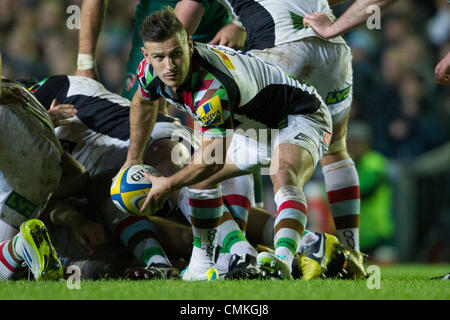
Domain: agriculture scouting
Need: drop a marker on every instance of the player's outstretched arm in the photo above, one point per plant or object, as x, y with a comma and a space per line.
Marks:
143, 115
92, 16
354, 16
442, 71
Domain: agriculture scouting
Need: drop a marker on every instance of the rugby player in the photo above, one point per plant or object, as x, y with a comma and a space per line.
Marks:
278, 36
98, 137
222, 90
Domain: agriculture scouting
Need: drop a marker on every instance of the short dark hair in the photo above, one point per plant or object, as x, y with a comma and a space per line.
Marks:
160, 26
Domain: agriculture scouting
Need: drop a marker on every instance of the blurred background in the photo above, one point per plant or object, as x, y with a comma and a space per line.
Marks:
398, 133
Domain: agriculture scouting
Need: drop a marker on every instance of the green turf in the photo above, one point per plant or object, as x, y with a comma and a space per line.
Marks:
401, 282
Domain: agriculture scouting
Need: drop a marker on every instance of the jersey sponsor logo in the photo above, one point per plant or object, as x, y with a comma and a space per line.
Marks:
20, 204
210, 112
338, 96
224, 58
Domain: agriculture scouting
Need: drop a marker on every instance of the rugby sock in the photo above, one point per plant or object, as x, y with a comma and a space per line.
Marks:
290, 222
237, 193
206, 212
308, 237
9, 259
342, 185
239, 206
232, 240
138, 235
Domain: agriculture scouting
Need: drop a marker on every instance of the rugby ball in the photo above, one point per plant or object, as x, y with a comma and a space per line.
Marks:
130, 187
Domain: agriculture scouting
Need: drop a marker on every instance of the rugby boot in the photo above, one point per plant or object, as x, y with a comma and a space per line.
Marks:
273, 267
38, 252
190, 274
243, 267
315, 258
354, 265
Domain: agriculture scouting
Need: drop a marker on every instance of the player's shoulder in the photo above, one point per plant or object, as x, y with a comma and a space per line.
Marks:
145, 73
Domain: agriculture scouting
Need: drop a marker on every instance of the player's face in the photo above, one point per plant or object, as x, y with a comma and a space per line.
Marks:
170, 59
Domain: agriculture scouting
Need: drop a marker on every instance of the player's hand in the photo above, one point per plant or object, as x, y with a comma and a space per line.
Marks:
231, 36
90, 73
61, 113
89, 234
321, 23
442, 71
158, 194
128, 163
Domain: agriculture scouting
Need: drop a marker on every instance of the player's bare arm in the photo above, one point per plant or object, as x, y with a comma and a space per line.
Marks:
354, 16
92, 16
190, 14
143, 115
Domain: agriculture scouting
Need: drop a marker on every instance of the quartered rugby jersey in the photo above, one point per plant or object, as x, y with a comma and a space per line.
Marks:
99, 135
227, 88
272, 22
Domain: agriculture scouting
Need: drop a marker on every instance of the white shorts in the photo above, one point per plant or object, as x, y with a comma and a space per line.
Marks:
250, 153
325, 65
30, 158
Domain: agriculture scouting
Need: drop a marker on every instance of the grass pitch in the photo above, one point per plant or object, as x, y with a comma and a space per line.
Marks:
400, 282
